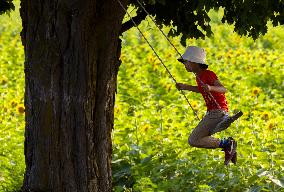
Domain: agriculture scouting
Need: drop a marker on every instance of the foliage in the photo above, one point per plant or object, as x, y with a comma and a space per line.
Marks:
190, 18
153, 121
6, 6
12, 118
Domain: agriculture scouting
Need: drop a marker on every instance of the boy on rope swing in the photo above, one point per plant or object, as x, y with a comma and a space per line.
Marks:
213, 92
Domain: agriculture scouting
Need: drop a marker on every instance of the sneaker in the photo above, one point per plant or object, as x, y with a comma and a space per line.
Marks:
230, 151
226, 122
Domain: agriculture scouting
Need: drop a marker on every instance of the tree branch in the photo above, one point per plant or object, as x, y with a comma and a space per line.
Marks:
129, 24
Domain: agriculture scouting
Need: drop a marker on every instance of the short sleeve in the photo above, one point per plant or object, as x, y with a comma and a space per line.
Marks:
211, 77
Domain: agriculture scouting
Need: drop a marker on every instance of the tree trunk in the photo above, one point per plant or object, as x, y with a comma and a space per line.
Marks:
72, 53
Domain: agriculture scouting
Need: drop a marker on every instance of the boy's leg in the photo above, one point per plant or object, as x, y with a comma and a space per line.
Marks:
200, 135
199, 138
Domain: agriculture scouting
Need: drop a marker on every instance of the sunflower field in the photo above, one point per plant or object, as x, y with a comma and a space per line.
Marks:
153, 120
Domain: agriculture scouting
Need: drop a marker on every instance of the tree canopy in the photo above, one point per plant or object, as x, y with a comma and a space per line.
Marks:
190, 18
6, 6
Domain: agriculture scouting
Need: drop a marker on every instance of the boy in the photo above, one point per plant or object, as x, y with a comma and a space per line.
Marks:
213, 92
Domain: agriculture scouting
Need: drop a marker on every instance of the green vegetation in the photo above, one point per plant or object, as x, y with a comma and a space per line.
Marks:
12, 120
153, 121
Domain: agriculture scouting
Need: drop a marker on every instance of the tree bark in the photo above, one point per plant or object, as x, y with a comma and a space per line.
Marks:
72, 51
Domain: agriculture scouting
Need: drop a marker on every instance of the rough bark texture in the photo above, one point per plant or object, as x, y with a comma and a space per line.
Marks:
72, 53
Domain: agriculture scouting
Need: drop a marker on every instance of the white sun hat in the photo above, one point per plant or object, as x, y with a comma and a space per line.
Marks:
194, 54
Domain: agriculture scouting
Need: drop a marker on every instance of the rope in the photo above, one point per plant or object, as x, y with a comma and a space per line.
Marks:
182, 92
158, 27
141, 5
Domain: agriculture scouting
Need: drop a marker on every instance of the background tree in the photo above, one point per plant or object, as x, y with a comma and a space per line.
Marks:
72, 51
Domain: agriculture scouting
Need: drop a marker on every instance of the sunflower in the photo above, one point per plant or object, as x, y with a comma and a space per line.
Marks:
150, 58
194, 104
271, 124
21, 109
4, 80
265, 115
146, 127
255, 91
14, 103
168, 87
117, 109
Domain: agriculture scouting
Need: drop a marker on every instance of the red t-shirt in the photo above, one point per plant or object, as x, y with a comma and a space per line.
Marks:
208, 77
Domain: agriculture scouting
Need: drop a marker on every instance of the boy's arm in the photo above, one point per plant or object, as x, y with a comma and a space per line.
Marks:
218, 87
181, 86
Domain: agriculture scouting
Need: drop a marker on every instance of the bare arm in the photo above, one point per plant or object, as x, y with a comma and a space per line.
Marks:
218, 87
181, 86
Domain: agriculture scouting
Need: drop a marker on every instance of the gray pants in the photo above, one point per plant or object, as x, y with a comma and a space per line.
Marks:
200, 136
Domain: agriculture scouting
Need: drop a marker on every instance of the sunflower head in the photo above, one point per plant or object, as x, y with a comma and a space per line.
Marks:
255, 91
21, 109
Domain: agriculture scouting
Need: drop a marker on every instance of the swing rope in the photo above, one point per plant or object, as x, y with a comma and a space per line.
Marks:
226, 122
182, 92
143, 7
139, 2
